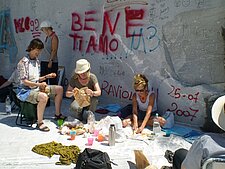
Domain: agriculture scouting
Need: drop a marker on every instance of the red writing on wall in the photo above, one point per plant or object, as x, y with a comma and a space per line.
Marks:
116, 91
26, 24
190, 112
177, 94
105, 42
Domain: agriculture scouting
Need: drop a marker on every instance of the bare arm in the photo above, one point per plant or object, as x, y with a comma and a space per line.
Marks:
149, 110
54, 47
34, 84
69, 91
96, 92
134, 112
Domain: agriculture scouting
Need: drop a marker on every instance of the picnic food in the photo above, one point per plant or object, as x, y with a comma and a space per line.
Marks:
81, 97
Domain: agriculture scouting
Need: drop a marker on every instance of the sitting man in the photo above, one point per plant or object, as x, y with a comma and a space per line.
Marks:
206, 146
7, 85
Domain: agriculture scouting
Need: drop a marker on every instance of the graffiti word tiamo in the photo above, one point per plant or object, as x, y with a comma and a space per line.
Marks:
116, 91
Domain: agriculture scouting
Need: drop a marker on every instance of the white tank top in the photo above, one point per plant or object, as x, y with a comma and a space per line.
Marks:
143, 106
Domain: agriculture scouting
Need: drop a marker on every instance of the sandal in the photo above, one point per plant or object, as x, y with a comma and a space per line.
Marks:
45, 128
60, 116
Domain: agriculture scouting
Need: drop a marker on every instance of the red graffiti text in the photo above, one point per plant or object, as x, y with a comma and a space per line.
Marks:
116, 91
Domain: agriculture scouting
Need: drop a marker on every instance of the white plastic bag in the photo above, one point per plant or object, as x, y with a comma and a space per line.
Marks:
169, 117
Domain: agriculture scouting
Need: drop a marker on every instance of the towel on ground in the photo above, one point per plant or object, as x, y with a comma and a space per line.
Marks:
67, 154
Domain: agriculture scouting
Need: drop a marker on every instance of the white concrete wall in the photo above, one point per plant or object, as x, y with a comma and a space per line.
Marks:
177, 44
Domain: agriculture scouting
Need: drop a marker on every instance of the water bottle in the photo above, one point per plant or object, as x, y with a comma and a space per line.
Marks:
91, 121
8, 105
112, 135
156, 125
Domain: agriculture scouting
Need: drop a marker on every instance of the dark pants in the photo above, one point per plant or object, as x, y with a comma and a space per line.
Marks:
179, 157
127, 111
4, 92
45, 70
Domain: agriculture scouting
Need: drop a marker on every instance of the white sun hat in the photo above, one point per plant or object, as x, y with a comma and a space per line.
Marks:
218, 114
82, 66
45, 24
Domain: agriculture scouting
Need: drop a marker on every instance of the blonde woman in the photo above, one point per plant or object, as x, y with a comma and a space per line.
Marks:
83, 79
143, 109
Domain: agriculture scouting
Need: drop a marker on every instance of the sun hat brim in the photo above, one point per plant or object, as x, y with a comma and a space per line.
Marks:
218, 114
82, 66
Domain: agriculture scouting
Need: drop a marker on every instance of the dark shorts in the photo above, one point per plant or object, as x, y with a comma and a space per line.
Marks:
127, 111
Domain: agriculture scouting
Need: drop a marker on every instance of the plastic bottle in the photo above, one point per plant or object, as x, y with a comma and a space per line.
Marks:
91, 121
156, 125
112, 135
8, 105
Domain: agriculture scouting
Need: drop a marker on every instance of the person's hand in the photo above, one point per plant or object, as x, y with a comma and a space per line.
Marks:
51, 75
139, 130
162, 121
89, 92
135, 127
42, 86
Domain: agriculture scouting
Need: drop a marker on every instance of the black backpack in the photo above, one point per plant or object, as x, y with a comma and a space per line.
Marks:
93, 159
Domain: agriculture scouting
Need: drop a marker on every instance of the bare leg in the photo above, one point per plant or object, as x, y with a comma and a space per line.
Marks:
58, 99
42, 101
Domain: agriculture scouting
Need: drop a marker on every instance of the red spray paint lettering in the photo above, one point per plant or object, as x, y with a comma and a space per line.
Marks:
26, 24
116, 91
106, 41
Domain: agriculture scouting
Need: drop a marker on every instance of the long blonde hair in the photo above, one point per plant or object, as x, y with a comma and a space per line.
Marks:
140, 80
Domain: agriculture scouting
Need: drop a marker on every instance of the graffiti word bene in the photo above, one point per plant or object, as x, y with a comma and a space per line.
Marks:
106, 41
115, 91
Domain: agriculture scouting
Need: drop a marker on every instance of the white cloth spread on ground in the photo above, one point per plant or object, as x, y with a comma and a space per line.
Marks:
17, 142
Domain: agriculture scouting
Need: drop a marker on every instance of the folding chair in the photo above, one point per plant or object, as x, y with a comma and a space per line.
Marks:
216, 161
27, 114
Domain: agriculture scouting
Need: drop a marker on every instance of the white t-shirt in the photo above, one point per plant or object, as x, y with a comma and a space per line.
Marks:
203, 148
143, 106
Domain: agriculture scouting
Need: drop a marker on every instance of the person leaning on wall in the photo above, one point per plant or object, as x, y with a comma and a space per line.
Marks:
143, 108
204, 147
49, 57
31, 87
84, 81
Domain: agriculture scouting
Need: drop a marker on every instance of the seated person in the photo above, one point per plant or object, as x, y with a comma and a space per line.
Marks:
205, 146
86, 81
7, 85
143, 109
32, 89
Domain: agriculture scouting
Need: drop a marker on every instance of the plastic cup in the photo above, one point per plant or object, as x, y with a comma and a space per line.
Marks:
72, 134
90, 141
96, 132
60, 122
167, 133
